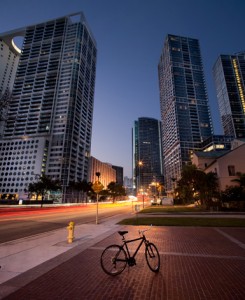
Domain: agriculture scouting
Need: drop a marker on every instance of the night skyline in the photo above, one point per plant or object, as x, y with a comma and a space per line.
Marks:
130, 37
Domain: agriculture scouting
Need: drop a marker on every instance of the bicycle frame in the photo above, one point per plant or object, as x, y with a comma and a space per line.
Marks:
115, 258
125, 242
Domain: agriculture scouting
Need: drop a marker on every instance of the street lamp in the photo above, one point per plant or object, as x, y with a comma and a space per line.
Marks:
140, 164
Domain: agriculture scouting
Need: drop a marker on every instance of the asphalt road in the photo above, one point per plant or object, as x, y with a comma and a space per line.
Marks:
17, 223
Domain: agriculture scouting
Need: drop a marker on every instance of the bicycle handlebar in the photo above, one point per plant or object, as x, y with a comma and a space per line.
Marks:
142, 231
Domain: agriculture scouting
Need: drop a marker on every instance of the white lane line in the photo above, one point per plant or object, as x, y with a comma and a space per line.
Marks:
185, 254
232, 239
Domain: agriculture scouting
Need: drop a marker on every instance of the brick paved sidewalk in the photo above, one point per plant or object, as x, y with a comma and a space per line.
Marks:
196, 263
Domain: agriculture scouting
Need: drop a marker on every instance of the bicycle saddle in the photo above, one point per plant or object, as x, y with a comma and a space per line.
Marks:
122, 232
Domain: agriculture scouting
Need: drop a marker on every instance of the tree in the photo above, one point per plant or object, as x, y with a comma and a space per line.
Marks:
185, 185
76, 188
232, 193
197, 185
240, 180
208, 189
235, 195
44, 185
116, 190
84, 187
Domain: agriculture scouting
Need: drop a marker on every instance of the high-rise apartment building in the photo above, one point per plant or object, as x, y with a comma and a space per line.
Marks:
185, 114
52, 101
147, 153
9, 58
229, 76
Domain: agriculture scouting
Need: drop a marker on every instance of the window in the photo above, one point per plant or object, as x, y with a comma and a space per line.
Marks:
231, 170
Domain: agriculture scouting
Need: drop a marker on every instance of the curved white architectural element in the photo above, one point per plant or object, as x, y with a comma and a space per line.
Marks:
8, 38
15, 46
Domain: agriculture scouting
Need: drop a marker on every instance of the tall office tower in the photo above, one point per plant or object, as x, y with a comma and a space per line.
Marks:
229, 76
9, 58
147, 153
185, 114
52, 101
119, 174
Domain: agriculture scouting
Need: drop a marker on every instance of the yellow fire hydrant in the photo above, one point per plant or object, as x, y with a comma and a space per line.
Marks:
70, 229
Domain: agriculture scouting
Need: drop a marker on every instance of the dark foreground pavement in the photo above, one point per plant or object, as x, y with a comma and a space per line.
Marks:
196, 263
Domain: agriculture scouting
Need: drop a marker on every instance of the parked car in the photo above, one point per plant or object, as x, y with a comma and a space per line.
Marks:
156, 201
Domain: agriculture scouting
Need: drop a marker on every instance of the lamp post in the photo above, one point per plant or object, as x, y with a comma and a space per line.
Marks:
64, 177
140, 164
97, 187
173, 180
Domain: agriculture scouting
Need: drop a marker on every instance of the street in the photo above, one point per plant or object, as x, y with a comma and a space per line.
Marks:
20, 222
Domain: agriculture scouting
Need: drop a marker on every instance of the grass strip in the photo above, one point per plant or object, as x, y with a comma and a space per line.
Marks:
193, 221
174, 209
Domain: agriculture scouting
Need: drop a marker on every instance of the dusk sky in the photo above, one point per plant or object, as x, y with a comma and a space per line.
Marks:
130, 36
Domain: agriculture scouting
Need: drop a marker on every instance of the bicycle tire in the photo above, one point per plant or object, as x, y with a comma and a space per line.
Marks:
152, 257
113, 260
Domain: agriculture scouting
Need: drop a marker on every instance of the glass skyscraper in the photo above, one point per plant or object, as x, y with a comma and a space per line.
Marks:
185, 114
147, 153
52, 101
229, 76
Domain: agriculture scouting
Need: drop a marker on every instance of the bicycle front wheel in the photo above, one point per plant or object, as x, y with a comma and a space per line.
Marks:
152, 257
113, 260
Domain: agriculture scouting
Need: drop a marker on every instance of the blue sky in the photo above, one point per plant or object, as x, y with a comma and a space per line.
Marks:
130, 36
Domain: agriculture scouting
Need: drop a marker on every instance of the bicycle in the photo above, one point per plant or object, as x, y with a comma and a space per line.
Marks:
115, 258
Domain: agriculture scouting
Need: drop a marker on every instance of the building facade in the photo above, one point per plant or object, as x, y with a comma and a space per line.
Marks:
119, 174
9, 58
107, 173
185, 113
53, 94
21, 162
225, 164
229, 76
128, 184
147, 154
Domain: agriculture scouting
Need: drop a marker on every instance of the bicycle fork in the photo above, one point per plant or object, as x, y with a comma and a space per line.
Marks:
150, 251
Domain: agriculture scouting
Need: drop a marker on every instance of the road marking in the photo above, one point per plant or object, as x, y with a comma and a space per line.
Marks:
185, 254
232, 239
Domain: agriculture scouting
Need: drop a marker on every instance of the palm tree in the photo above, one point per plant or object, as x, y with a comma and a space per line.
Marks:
85, 187
80, 186
44, 185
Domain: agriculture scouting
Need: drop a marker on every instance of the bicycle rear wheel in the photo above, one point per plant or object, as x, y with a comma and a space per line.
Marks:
113, 260
152, 257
